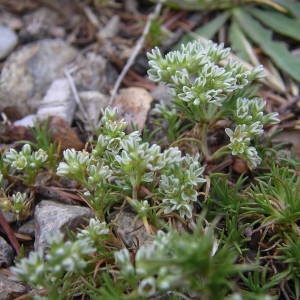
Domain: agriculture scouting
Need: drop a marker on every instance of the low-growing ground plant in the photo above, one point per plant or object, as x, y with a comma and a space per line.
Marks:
208, 94
215, 235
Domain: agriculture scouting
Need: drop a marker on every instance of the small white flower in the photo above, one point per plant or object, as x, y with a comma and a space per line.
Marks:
147, 287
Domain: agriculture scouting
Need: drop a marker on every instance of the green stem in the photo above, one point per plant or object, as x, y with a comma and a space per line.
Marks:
203, 138
220, 152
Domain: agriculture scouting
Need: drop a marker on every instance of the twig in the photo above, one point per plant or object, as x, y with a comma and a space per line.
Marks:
136, 50
91, 16
76, 96
9, 232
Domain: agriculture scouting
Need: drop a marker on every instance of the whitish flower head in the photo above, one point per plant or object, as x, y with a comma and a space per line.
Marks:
147, 287
122, 258
94, 231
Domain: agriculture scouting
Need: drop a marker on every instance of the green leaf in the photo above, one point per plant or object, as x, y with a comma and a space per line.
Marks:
212, 27
263, 37
293, 7
278, 22
208, 30
238, 42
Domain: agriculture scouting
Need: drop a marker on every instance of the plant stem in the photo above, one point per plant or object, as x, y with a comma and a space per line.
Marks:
203, 138
220, 152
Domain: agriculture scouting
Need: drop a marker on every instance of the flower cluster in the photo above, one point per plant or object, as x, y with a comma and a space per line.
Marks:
26, 161
25, 158
19, 202
250, 119
195, 75
62, 256
178, 186
123, 162
207, 88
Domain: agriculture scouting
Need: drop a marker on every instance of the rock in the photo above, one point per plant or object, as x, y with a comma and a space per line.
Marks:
10, 20
133, 105
8, 41
27, 121
131, 229
10, 289
9, 216
6, 253
51, 217
28, 228
93, 102
43, 22
90, 73
58, 101
28, 72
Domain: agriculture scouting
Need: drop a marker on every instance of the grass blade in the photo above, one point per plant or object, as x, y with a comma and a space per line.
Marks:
241, 45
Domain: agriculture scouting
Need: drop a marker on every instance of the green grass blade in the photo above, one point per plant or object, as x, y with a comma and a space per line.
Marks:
239, 43
263, 37
207, 31
278, 22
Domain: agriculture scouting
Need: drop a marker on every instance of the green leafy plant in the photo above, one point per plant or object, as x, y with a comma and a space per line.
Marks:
194, 264
274, 199
64, 260
121, 165
206, 227
206, 92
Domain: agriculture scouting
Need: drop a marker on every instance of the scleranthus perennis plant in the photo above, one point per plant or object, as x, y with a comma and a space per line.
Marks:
192, 264
122, 166
26, 162
206, 89
64, 261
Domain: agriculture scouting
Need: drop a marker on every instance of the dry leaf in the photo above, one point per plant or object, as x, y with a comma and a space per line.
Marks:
62, 134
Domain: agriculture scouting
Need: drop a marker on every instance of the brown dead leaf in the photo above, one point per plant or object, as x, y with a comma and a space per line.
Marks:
11, 133
58, 194
62, 134
133, 105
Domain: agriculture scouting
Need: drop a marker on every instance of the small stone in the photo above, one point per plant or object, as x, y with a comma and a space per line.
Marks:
10, 289
91, 72
39, 24
51, 217
10, 20
8, 41
131, 229
9, 216
58, 101
133, 105
28, 72
27, 121
28, 228
6, 253
93, 103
